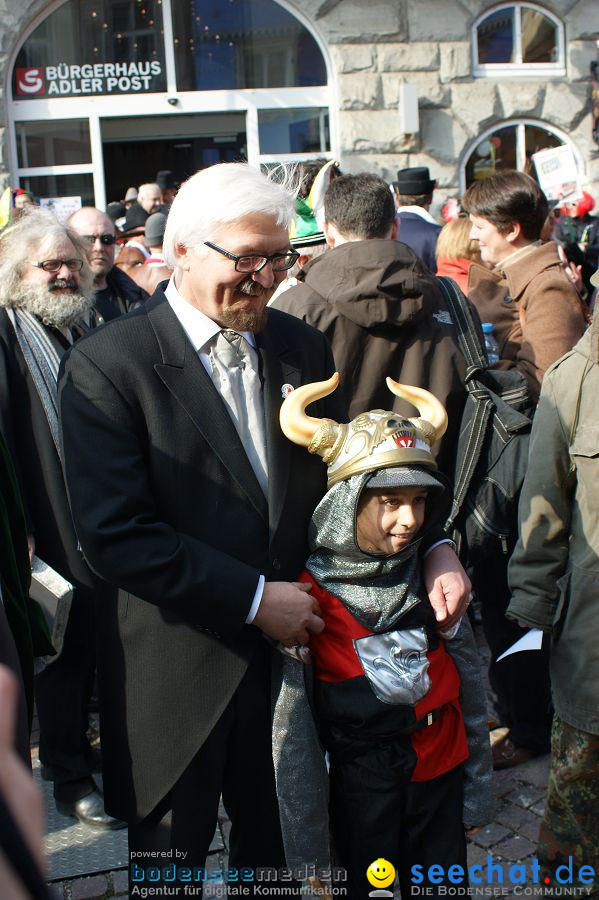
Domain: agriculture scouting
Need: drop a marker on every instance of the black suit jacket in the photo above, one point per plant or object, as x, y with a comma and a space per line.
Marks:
421, 235
174, 517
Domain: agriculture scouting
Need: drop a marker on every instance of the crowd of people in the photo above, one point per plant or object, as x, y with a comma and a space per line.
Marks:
294, 637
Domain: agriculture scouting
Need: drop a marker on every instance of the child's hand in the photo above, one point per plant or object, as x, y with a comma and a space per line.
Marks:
447, 585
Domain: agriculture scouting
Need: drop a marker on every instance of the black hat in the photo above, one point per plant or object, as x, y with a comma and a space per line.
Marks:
415, 181
165, 180
155, 225
116, 210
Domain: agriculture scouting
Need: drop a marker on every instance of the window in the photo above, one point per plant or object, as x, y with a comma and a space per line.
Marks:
284, 131
509, 146
53, 143
227, 44
519, 38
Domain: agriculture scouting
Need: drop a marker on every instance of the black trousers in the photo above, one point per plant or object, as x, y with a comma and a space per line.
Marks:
376, 812
521, 681
62, 693
235, 760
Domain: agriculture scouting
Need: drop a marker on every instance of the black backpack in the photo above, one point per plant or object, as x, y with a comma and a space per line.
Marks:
492, 451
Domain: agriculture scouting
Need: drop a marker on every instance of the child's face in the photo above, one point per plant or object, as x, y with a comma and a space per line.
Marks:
389, 518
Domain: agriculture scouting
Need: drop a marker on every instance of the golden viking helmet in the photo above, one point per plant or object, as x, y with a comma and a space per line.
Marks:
379, 439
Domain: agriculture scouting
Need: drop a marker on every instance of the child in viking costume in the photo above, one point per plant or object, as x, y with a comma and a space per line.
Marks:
399, 707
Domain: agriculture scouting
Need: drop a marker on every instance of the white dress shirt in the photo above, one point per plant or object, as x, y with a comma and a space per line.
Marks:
201, 330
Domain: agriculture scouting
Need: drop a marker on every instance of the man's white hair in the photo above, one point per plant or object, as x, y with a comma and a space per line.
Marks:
217, 196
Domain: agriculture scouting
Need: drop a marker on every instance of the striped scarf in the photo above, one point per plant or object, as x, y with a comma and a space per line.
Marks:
42, 360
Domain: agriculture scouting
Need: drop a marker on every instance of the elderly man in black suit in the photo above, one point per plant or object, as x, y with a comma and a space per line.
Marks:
198, 510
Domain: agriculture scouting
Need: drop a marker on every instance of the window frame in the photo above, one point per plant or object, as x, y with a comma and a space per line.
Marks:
519, 69
520, 124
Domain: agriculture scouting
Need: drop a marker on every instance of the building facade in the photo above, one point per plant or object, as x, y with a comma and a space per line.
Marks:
101, 94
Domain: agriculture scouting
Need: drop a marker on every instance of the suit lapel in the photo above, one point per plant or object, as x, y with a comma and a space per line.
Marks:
186, 378
280, 366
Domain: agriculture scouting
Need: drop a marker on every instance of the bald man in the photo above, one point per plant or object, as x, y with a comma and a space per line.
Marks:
115, 292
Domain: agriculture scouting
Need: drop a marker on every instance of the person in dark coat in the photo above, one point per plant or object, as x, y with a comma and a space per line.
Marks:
45, 287
414, 194
116, 293
380, 309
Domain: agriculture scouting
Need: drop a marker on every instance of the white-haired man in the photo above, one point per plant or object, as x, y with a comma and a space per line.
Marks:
149, 198
198, 510
45, 287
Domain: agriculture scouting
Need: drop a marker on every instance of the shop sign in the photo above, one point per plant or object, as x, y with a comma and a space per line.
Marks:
65, 80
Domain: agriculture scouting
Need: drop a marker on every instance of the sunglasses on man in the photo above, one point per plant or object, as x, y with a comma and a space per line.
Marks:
107, 239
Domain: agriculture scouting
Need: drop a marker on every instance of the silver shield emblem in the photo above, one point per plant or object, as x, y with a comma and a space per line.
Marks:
396, 665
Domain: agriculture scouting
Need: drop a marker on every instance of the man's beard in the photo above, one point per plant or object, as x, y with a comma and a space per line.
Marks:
253, 320
58, 310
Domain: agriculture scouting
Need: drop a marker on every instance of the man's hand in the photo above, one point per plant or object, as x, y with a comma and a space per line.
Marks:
447, 585
288, 613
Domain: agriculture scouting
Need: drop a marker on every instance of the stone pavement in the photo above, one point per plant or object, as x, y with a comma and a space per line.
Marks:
510, 838
87, 865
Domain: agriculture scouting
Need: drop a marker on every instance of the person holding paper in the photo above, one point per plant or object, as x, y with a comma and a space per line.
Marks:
553, 575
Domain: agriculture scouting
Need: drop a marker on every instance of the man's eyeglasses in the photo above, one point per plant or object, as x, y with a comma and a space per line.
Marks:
55, 265
280, 262
107, 238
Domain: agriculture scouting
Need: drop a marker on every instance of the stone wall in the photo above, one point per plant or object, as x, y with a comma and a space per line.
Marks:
374, 45
427, 43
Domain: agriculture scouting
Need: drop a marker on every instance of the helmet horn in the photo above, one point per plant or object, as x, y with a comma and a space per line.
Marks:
297, 426
429, 408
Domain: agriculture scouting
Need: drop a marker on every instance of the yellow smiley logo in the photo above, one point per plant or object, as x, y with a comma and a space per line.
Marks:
380, 873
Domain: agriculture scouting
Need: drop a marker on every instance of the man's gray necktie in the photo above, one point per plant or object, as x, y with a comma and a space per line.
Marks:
235, 376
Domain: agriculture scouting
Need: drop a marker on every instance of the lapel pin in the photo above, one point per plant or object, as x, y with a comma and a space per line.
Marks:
286, 389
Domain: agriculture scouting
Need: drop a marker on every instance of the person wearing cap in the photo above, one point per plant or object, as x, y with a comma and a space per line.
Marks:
130, 198
387, 693
154, 237
553, 578
154, 269
306, 232
115, 292
413, 192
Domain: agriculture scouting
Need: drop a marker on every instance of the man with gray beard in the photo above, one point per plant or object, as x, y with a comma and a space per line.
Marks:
45, 287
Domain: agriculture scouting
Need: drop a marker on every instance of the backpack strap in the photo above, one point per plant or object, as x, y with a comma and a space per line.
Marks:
467, 333
470, 444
